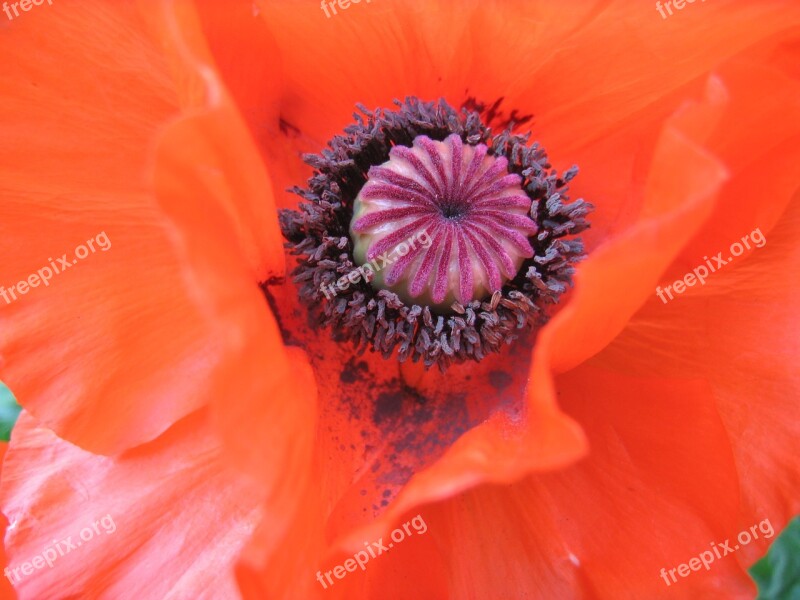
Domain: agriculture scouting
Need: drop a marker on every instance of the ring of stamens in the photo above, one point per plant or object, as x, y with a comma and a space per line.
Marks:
388, 317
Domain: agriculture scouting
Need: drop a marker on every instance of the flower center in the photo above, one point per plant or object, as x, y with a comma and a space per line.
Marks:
452, 211
442, 222
424, 236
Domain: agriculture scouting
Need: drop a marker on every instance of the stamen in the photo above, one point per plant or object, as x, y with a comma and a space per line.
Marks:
470, 236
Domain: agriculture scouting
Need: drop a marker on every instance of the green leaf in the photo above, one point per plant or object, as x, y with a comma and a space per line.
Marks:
778, 573
9, 411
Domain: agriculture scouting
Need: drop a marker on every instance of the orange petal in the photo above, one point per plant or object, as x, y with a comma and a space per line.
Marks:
6, 589
739, 333
620, 275
614, 70
211, 147
605, 527
567, 66
644, 480
378, 428
226, 226
756, 148
758, 138
110, 352
611, 287
233, 30
577, 532
170, 504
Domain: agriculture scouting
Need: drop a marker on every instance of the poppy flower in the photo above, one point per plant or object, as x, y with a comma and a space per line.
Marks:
194, 386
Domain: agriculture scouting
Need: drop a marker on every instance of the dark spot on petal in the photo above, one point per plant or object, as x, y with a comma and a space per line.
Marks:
288, 129
353, 370
286, 332
500, 379
387, 406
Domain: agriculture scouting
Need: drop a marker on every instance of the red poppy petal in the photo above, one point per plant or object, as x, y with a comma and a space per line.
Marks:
762, 160
6, 589
233, 30
217, 199
114, 325
273, 415
740, 333
565, 65
649, 476
580, 531
236, 178
170, 506
605, 527
620, 275
580, 95
378, 427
